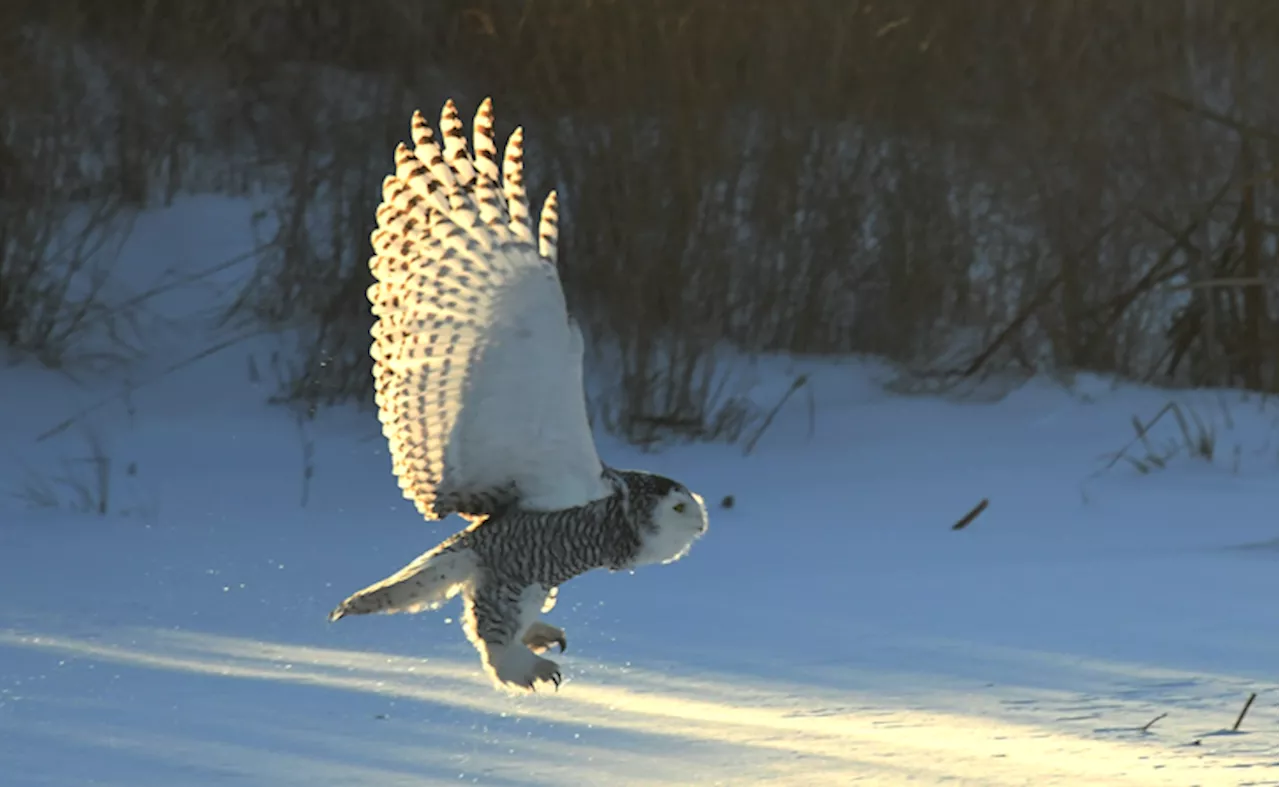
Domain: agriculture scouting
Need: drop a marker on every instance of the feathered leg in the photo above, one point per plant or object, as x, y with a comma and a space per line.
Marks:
496, 618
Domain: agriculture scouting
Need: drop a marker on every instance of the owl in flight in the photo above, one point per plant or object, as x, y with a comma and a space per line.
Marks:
478, 380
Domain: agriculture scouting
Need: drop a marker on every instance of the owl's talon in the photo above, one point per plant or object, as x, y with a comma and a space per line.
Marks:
546, 670
521, 669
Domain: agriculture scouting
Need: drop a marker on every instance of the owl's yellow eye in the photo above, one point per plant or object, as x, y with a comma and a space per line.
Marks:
679, 508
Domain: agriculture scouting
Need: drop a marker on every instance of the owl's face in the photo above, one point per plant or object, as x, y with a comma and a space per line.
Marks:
677, 519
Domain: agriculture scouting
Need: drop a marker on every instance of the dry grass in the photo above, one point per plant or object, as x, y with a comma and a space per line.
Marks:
82, 485
1084, 185
1196, 439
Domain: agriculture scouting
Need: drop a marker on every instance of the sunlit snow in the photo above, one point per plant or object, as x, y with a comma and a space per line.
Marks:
831, 628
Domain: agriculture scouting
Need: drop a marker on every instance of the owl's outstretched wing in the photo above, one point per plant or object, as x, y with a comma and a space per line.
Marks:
477, 366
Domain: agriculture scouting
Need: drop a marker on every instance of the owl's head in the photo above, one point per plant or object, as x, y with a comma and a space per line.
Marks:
675, 519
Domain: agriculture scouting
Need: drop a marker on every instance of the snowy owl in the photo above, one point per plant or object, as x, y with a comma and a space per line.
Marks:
478, 381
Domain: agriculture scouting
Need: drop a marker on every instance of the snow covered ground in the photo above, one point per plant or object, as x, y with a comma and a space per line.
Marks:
830, 629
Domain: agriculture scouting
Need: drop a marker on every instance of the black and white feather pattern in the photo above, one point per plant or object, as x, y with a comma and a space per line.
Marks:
477, 366
478, 375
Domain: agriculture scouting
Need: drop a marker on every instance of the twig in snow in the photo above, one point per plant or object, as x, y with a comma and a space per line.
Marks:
205, 353
1147, 727
1140, 429
972, 515
799, 382
308, 458
1247, 703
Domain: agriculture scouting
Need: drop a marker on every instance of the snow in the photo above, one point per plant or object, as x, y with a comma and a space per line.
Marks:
830, 628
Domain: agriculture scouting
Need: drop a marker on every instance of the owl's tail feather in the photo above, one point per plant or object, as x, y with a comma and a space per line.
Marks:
426, 583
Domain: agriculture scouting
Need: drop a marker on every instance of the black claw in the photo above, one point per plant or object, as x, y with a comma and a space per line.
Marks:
562, 644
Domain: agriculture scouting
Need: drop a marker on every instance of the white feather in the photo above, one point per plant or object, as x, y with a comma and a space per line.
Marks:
524, 416
674, 531
478, 369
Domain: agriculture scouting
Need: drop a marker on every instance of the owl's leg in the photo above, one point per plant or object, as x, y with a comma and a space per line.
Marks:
496, 616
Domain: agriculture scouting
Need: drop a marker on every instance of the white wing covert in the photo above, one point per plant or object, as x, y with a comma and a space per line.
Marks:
477, 366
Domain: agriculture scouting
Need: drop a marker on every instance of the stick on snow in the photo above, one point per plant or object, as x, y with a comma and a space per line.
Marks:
972, 515
1239, 719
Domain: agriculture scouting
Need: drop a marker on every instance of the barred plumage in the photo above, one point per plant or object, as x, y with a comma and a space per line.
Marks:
478, 382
